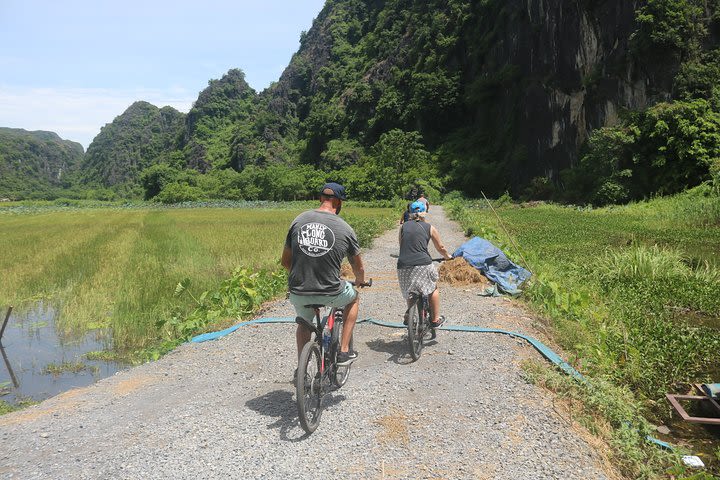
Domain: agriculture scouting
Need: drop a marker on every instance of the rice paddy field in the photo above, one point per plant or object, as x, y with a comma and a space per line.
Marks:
631, 295
115, 270
633, 290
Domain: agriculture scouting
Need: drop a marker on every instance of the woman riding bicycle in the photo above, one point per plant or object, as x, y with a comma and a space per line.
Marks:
416, 272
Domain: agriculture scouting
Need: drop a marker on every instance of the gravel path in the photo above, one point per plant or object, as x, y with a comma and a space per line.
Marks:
225, 409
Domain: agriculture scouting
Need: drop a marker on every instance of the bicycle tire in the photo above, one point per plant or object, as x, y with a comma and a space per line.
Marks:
342, 373
308, 388
415, 329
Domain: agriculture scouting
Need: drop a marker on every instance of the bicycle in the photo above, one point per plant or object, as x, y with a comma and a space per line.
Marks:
418, 321
317, 370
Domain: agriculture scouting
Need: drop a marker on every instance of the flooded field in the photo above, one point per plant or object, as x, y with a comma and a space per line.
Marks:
38, 363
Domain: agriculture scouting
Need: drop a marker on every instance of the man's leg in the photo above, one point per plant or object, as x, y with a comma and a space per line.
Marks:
302, 336
349, 318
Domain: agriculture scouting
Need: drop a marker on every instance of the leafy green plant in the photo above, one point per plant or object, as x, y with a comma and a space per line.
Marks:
178, 192
368, 227
663, 150
6, 407
236, 297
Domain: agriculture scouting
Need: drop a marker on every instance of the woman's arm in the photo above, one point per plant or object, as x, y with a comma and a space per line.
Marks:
435, 236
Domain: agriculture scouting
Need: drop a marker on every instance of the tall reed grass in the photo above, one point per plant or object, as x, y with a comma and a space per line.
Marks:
115, 270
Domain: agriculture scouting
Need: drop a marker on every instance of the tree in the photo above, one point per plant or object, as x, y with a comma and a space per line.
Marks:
397, 161
155, 178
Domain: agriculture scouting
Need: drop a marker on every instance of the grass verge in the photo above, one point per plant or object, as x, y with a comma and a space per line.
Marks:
631, 293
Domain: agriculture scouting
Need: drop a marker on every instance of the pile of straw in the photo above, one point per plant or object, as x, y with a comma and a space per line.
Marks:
459, 272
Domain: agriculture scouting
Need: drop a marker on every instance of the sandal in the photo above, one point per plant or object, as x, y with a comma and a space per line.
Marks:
439, 323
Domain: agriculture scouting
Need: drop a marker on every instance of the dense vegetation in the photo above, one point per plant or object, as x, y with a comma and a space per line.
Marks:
675, 143
644, 292
36, 164
631, 294
478, 96
142, 136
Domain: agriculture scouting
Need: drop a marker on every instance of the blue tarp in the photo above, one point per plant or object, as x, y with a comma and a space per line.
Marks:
493, 263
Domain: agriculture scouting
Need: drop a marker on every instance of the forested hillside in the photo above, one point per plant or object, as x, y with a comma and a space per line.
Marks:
598, 102
35, 163
142, 136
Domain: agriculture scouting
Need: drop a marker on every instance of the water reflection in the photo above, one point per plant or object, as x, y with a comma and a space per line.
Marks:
9, 367
31, 343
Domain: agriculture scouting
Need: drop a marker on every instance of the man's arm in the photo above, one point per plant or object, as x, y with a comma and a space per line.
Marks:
358, 269
435, 236
286, 259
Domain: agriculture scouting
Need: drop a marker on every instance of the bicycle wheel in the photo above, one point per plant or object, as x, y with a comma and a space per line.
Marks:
341, 373
416, 330
309, 387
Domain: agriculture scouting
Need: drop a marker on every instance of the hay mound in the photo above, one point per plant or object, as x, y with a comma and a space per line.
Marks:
346, 271
459, 272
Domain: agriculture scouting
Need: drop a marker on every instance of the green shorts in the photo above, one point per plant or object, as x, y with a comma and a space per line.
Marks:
338, 301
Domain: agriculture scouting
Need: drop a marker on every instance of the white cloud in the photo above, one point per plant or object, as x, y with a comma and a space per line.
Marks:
78, 113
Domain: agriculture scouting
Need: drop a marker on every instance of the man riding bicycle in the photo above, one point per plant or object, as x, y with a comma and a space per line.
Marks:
316, 244
416, 272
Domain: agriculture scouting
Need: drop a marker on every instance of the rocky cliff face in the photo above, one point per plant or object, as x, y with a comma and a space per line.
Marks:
533, 78
576, 73
502, 91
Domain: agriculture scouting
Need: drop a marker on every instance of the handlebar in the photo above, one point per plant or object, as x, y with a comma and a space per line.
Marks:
441, 259
366, 284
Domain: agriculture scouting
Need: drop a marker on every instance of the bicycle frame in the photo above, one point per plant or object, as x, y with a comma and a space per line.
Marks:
328, 321
423, 314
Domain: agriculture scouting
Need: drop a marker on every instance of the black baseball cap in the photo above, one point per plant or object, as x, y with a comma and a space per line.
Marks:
333, 189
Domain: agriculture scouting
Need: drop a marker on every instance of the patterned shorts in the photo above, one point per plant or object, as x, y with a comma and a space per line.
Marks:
422, 279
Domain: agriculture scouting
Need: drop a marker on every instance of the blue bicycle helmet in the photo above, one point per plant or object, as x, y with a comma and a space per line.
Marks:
417, 207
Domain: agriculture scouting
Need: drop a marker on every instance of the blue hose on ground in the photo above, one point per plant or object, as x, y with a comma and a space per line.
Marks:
538, 345
215, 335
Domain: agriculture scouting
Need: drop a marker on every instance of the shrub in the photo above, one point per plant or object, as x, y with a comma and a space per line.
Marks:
155, 178
179, 192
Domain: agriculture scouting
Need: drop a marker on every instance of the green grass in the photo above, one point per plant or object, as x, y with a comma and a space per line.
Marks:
612, 414
116, 269
6, 407
56, 369
632, 292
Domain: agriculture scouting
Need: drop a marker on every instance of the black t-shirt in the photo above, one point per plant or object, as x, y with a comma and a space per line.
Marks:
414, 238
319, 242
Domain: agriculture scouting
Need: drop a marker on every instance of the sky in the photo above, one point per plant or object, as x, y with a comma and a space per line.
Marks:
72, 66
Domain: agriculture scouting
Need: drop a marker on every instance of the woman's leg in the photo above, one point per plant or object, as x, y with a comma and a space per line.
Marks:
435, 305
